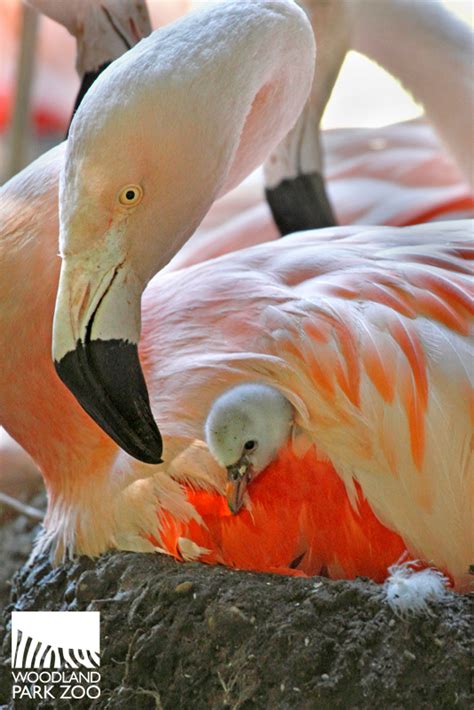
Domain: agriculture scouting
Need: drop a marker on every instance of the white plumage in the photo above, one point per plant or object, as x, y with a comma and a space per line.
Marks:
410, 592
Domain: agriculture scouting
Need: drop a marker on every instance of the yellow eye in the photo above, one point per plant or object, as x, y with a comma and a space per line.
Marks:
130, 195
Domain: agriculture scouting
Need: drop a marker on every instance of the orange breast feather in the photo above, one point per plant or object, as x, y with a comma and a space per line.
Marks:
301, 521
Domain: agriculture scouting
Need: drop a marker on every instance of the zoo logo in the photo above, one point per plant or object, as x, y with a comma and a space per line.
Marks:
55, 639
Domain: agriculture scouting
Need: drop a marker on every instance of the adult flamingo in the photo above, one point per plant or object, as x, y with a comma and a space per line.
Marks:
366, 183
120, 507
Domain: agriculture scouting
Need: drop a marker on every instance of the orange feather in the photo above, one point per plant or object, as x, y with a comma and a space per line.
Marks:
300, 521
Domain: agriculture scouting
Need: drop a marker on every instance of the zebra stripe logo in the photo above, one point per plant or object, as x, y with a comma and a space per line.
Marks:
55, 639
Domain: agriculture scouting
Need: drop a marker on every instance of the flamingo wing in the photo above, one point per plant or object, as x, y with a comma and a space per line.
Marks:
366, 333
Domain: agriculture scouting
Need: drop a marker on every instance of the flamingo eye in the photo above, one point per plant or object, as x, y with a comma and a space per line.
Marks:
249, 445
130, 195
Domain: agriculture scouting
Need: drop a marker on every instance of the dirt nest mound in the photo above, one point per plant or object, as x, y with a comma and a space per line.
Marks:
190, 636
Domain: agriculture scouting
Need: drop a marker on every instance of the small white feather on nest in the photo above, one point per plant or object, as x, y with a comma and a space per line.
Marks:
409, 591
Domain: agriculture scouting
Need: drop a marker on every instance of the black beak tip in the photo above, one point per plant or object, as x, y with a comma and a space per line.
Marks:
106, 378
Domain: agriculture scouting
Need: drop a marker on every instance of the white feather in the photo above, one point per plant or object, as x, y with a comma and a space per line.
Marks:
409, 591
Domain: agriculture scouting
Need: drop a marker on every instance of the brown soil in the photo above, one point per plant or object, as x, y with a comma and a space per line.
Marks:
190, 636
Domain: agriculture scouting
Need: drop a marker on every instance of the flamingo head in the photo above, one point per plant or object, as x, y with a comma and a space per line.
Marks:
178, 120
245, 428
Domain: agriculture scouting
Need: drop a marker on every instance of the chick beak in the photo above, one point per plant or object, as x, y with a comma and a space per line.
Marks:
238, 477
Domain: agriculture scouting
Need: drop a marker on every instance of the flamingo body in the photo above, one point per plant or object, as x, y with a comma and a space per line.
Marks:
363, 330
366, 334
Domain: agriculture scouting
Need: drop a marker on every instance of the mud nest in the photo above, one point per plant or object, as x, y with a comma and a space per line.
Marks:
190, 636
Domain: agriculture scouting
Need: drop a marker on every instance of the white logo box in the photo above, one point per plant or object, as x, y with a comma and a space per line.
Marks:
55, 639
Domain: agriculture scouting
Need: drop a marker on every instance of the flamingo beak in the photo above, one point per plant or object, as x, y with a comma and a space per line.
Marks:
239, 476
95, 350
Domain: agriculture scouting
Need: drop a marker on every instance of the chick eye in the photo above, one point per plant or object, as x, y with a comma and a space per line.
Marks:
249, 445
130, 195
